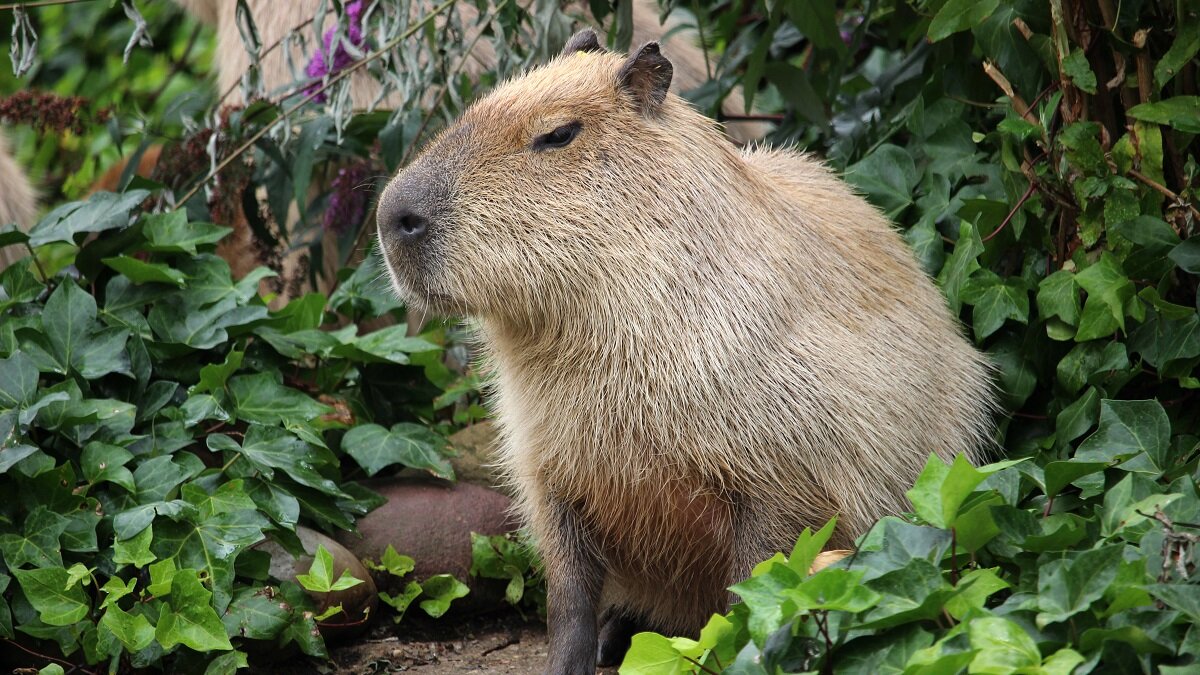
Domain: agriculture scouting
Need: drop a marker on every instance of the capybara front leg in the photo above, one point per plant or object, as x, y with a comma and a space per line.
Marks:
574, 577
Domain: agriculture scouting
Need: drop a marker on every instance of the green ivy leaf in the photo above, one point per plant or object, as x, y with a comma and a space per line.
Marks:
365, 290
40, 544
171, 232
140, 272
103, 462
961, 264
391, 344
18, 381
1076, 419
256, 614
941, 489
995, 301
973, 590
1087, 360
1076, 67
888, 177
914, 592
270, 448
320, 575
374, 448
1183, 49
227, 663
959, 15
69, 320
1082, 143
403, 600
1183, 597
400, 565
188, 618
261, 398
1070, 585
1003, 647
214, 376
132, 630
1058, 296
1108, 292
102, 211
439, 591
136, 549
200, 327
1187, 255
1128, 428
1179, 112
47, 590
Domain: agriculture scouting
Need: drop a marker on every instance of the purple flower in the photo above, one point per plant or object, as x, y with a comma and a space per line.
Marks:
348, 198
322, 63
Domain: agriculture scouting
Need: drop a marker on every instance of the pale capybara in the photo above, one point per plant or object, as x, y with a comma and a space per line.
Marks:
697, 351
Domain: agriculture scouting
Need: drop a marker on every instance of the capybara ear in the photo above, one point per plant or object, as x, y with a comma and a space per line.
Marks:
646, 75
585, 40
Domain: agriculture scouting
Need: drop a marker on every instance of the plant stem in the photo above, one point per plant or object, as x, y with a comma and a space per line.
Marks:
40, 3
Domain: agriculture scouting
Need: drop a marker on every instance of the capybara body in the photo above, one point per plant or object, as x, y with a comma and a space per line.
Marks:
697, 351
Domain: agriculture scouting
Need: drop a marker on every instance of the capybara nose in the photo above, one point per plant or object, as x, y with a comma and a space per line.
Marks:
409, 226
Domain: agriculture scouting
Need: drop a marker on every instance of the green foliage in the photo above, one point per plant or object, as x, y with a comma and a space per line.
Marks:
1005, 581
435, 593
157, 417
511, 558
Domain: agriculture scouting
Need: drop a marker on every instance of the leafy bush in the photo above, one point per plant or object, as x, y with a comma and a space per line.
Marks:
157, 421
1041, 158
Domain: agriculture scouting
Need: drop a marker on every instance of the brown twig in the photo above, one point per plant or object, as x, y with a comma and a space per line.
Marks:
40, 3
349, 70
1018, 103
71, 666
1020, 202
700, 665
1163, 190
38, 263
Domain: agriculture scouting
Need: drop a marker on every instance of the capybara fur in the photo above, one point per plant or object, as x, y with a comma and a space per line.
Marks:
698, 351
18, 201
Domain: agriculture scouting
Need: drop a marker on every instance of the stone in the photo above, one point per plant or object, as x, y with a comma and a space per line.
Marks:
431, 521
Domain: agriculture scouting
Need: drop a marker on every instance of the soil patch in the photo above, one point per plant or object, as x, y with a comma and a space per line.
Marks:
505, 644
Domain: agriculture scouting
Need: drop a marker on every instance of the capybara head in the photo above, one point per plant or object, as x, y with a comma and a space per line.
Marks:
551, 187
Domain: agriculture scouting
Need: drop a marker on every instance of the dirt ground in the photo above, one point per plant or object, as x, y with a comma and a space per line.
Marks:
504, 644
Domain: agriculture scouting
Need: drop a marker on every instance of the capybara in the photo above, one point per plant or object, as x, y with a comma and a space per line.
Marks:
697, 351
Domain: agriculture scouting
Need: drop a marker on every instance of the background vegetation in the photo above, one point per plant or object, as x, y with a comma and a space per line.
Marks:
1040, 157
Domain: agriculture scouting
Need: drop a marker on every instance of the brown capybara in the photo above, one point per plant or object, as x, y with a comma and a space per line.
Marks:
698, 351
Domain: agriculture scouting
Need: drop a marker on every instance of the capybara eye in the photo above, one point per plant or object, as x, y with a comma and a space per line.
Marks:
559, 138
